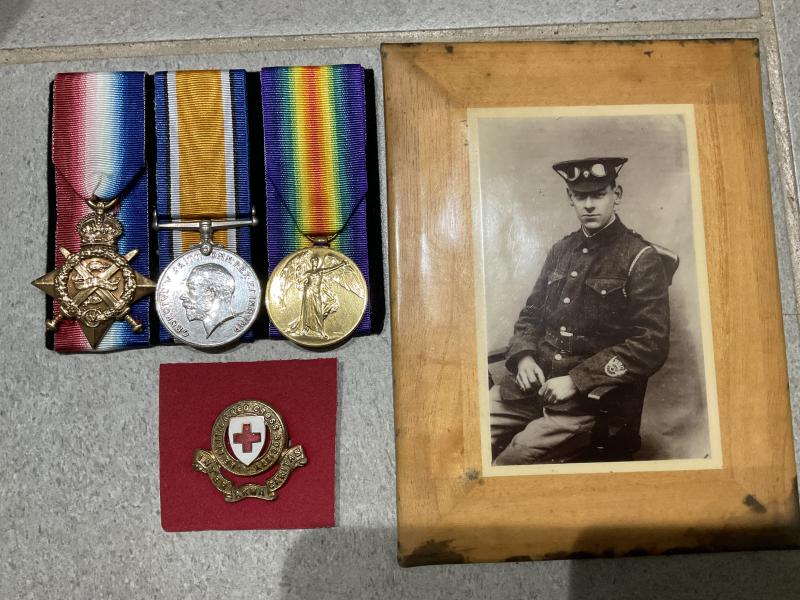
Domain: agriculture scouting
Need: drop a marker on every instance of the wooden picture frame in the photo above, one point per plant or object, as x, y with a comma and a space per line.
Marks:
448, 511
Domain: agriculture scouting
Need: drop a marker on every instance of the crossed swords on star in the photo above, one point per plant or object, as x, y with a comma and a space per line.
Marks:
101, 278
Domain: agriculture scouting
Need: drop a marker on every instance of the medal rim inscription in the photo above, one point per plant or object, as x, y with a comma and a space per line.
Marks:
305, 342
187, 256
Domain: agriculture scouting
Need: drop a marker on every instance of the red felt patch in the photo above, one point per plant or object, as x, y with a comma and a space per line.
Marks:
192, 395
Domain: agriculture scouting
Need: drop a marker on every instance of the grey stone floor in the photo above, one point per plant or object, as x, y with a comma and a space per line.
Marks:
26, 23
79, 507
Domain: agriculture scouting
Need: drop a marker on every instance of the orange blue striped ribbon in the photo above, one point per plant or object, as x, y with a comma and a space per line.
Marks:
315, 159
202, 161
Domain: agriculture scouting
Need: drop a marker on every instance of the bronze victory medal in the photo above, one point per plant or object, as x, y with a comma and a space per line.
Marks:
247, 439
316, 297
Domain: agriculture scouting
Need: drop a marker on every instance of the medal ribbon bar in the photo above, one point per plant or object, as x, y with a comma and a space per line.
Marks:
98, 138
315, 158
202, 166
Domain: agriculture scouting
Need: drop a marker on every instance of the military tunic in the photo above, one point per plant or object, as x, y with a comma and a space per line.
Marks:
599, 312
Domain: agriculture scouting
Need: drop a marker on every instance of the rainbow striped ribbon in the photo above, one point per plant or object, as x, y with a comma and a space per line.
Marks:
315, 159
98, 139
202, 164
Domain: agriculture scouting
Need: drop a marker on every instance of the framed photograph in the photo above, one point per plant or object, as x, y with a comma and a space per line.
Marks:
586, 322
634, 304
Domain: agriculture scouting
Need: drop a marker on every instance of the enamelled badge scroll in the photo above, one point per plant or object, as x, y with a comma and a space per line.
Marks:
98, 132
247, 439
316, 181
208, 294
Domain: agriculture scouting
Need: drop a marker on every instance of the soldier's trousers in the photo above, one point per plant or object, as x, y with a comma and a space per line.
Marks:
524, 433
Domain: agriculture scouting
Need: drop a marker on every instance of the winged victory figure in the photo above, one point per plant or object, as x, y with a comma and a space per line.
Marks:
320, 281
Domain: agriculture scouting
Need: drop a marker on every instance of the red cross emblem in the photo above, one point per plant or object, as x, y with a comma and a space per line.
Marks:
245, 438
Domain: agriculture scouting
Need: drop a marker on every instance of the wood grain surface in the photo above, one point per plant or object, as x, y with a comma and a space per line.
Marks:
448, 512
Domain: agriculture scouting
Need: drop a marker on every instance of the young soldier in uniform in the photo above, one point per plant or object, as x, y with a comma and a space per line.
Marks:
598, 315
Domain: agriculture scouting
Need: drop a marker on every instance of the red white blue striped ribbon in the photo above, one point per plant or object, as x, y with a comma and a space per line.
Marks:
98, 150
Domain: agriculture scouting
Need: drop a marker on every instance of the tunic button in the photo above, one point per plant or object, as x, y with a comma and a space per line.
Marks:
557, 357
574, 274
563, 328
603, 292
585, 250
566, 301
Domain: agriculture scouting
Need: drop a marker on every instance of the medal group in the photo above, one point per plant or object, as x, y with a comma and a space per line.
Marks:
154, 174
208, 294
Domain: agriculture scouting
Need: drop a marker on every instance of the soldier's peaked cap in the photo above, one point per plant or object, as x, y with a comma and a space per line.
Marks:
590, 174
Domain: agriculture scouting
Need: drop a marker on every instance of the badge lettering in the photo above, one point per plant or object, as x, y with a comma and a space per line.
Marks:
615, 368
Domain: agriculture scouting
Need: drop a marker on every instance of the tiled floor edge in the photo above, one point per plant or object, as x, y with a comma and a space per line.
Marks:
627, 30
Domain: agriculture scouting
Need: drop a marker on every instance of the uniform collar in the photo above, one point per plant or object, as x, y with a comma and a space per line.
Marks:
605, 235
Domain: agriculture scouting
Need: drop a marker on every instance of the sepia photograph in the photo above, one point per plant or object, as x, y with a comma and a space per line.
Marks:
591, 291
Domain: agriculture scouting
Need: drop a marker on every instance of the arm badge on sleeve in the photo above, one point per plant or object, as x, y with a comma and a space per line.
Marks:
615, 368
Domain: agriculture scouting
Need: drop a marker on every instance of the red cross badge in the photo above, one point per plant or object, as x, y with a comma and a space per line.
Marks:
247, 439
615, 367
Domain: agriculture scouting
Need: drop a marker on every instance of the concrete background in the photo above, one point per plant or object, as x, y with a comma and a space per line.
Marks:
79, 509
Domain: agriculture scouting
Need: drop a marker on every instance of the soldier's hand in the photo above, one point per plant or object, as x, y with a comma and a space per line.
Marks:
558, 389
528, 373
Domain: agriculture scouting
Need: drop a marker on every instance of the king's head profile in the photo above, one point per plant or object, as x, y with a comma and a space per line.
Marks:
208, 296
